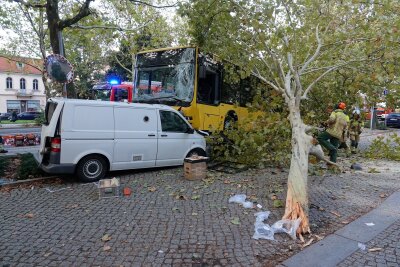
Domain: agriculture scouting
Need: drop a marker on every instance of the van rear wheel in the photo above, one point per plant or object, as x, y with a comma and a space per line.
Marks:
91, 168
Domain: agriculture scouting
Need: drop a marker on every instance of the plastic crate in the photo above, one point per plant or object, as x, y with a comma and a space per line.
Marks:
109, 188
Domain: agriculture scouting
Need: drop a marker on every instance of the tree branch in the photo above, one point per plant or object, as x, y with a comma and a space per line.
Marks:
29, 18
325, 73
314, 56
316, 80
122, 66
276, 88
296, 75
28, 4
83, 12
150, 5
277, 63
77, 26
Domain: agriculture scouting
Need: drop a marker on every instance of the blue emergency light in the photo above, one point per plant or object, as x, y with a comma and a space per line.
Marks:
114, 82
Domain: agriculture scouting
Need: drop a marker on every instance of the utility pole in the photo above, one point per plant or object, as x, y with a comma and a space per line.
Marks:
61, 47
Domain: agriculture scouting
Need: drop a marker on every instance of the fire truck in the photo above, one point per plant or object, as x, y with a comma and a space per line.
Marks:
111, 91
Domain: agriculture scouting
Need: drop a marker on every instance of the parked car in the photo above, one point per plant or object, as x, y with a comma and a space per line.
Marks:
4, 116
393, 120
29, 115
89, 137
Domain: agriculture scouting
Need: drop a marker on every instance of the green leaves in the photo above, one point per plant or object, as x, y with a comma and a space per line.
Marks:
382, 148
235, 221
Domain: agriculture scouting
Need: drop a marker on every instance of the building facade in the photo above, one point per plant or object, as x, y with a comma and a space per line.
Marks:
21, 85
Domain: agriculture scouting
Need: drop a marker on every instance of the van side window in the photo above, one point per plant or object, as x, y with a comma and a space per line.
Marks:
171, 122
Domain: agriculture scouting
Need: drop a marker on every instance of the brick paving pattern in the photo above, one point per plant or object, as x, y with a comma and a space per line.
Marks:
387, 242
171, 221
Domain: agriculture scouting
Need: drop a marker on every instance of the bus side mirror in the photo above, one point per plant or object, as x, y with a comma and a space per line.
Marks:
202, 72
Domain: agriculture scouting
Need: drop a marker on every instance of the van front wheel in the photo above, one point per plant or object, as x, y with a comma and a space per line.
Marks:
196, 152
91, 168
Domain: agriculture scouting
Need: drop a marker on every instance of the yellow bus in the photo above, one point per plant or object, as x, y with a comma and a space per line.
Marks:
195, 84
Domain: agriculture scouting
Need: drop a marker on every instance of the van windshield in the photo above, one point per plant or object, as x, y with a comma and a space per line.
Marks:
49, 111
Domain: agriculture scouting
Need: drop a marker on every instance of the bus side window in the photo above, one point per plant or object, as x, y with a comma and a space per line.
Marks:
208, 88
230, 88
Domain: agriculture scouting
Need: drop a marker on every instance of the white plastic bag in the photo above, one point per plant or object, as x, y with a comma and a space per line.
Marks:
261, 229
237, 199
248, 205
261, 216
287, 226
241, 199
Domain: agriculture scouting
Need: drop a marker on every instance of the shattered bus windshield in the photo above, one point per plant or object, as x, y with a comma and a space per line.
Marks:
167, 75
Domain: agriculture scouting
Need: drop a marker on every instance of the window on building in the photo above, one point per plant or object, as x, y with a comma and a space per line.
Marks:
9, 83
20, 65
33, 105
13, 105
35, 85
22, 84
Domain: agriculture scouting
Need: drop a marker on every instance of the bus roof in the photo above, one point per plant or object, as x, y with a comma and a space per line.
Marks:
165, 48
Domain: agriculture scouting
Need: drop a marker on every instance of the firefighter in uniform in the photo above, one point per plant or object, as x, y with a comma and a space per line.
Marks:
355, 131
333, 135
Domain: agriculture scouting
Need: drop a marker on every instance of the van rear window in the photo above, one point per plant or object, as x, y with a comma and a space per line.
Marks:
48, 113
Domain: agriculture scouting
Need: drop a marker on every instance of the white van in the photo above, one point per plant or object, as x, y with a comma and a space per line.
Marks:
89, 137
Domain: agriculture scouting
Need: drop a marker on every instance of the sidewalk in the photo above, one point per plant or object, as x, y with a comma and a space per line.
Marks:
17, 125
345, 246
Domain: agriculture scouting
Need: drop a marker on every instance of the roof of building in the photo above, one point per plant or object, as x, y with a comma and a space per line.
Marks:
12, 64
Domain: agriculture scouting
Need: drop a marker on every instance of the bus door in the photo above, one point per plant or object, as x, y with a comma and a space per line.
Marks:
208, 96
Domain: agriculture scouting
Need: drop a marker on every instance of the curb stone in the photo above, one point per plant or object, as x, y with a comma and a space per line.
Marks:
338, 246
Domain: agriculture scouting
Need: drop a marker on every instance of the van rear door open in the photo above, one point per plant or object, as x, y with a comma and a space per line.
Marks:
49, 128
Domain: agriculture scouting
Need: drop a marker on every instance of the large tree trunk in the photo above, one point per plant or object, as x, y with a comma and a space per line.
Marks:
297, 194
53, 23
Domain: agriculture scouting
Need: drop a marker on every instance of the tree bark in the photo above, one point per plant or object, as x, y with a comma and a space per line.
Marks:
297, 194
53, 21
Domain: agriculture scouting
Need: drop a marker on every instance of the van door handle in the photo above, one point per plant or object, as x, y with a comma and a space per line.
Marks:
151, 135
164, 135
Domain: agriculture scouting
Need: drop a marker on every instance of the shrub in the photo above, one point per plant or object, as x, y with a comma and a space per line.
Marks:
28, 167
40, 119
382, 148
4, 161
257, 143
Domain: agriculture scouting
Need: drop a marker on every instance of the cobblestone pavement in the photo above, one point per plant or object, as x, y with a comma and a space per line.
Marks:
368, 135
384, 250
171, 221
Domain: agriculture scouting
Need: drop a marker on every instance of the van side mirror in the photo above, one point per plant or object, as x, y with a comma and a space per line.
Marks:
190, 131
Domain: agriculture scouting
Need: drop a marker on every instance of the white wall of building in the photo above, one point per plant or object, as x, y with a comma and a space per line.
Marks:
16, 94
